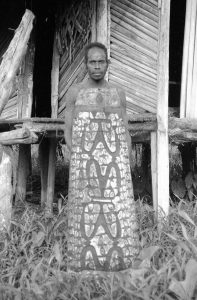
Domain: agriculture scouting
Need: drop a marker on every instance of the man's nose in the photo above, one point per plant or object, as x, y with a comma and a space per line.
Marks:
97, 65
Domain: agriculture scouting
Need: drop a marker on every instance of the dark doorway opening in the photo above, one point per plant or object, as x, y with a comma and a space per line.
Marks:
177, 25
44, 35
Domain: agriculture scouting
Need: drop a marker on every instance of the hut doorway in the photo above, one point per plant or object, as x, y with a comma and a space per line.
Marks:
43, 36
177, 24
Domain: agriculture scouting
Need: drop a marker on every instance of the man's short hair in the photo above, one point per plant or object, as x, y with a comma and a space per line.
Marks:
95, 45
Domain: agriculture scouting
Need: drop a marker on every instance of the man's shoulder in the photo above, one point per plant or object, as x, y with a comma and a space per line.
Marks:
73, 91
119, 89
75, 87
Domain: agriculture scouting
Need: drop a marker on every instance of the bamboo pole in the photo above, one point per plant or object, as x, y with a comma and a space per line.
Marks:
13, 56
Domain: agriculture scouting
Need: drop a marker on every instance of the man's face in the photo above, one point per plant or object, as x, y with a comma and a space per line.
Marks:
96, 63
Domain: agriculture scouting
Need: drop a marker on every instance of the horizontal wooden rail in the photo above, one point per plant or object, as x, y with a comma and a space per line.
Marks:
25, 131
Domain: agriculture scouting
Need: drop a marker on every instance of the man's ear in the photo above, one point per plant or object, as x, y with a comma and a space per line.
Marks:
108, 61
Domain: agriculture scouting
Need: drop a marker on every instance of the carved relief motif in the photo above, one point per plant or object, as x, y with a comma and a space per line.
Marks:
102, 223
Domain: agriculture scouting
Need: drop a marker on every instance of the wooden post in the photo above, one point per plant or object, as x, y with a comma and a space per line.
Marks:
188, 107
13, 56
154, 171
162, 111
6, 191
25, 89
24, 167
44, 162
190, 101
94, 21
193, 106
47, 196
103, 25
51, 176
55, 80
183, 101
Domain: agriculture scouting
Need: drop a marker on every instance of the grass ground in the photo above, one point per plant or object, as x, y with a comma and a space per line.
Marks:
33, 260
33, 256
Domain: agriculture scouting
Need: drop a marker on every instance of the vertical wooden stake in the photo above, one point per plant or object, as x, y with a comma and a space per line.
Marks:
24, 167
51, 176
55, 80
94, 23
6, 192
185, 70
193, 106
154, 171
44, 161
162, 110
190, 102
25, 89
103, 25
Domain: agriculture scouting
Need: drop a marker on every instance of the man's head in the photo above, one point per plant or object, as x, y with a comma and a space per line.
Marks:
96, 60
95, 45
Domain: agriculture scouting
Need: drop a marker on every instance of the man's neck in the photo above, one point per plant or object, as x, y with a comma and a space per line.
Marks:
97, 83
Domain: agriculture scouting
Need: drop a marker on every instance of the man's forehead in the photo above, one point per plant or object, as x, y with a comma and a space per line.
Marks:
96, 52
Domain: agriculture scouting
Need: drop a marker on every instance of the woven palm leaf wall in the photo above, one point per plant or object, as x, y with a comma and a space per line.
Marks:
74, 32
133, 51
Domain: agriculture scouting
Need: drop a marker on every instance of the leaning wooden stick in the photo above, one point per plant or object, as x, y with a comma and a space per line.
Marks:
13, 56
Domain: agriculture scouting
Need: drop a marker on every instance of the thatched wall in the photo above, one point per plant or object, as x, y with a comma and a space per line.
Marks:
73, 33
134, 51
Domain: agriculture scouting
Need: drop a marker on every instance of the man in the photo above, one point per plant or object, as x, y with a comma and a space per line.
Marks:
102, 224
